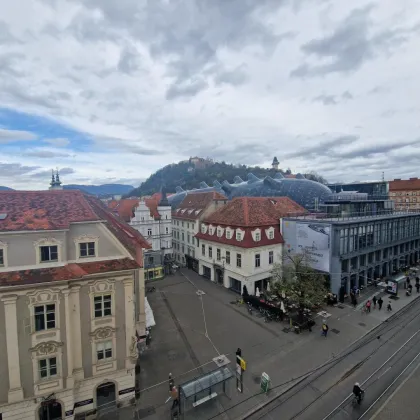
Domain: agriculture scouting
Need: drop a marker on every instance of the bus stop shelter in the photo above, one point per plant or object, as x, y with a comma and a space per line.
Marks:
204, 388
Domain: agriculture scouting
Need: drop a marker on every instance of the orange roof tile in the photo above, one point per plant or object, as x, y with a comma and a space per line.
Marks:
193, 205
254, 211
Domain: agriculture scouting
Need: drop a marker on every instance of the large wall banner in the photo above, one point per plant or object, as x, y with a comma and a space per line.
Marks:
314, 240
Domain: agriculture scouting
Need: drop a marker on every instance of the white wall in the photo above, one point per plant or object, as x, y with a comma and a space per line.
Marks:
187, 245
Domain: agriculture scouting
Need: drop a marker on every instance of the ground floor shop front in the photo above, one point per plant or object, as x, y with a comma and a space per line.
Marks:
233, 280
88, 400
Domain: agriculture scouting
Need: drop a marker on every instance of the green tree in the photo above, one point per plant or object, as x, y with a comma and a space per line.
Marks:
299, 282
314, 176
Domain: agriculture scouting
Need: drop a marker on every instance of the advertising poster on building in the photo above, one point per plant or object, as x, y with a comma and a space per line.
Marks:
314, 240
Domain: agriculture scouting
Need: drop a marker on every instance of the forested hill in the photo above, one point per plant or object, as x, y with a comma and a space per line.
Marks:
184, 174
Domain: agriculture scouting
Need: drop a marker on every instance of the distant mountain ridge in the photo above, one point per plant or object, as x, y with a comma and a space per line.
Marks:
101, 190
189, 173
98, 190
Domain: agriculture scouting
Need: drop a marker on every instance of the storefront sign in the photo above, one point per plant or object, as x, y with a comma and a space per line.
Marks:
83, 403
126, 391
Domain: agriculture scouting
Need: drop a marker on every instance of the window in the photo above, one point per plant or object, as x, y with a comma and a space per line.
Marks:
228, 234
102, 306
210, 252
47, 367
49, 253
271, 234
183, 249
182, 224
257, 260
104, 350
218, 254
257, 236
203, 250
149, 232
227, 257
167, 230
87, 249
270, 257
188, 238
238, 260
238, 236
1, 257
219, 232
44, 317
151, 260
183, 236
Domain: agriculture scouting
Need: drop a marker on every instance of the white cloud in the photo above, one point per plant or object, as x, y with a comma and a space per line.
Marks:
154, 82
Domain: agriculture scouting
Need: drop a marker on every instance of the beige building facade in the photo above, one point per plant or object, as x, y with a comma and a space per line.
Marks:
71, 306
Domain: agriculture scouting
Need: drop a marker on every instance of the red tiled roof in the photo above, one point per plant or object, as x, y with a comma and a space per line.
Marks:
124, 208
247, 240
254, 211
127, 235
43, 210
67, 272
194, 204
404, 184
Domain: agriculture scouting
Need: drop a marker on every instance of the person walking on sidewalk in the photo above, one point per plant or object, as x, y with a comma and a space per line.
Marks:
174, 395
368, 304
389, 307
374, 300
380, 303
324, 328
418, 287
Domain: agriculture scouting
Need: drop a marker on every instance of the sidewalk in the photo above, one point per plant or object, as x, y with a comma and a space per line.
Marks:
179, 343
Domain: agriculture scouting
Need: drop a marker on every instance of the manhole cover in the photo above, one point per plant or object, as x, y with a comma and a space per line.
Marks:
335, 331
341, 306
142, 413
172, 355
362, 324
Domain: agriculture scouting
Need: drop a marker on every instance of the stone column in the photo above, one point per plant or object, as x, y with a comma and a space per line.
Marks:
76, 333
129, 319
15, 387
69, 340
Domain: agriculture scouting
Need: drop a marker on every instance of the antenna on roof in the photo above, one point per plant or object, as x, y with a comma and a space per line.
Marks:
383, 176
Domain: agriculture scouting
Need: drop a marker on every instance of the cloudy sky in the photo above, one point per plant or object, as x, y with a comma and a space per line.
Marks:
110, 91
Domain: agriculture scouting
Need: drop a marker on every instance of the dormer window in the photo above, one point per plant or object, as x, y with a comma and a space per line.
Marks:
271, 234
49, 253
87, 249
257, 236
228, 234
238, 236
203, 228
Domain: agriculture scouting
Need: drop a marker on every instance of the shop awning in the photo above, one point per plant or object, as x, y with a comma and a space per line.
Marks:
150, 319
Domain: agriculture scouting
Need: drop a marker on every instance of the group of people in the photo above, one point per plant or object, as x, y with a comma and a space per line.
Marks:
409, 286
375, 301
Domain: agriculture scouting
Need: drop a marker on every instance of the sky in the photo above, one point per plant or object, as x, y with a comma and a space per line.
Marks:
110, 91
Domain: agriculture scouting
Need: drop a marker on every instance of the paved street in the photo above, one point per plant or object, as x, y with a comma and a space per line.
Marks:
191, 331
380, 362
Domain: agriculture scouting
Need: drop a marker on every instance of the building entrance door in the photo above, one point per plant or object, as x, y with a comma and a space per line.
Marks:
50, 410
106, 398
219, 275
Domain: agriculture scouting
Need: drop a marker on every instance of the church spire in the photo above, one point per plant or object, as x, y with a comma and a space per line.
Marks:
57, 179
52, 183
164, 200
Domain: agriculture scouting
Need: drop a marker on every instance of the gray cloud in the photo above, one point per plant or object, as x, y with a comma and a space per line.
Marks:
58, 142
350, 45
186, 89
113, 143
129, 61
234, 77
8, 170
45, 154
326, 99
47, 173
11, 136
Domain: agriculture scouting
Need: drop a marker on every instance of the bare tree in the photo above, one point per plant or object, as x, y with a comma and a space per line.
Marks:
300, 283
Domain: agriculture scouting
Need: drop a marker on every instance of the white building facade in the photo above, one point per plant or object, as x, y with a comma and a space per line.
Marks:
239, 244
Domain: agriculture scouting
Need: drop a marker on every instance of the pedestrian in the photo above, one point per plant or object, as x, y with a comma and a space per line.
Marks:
368, 303
374, 300
171, 382
324, 328
389, 307
354, 302
380, 303
174, 395
418, 287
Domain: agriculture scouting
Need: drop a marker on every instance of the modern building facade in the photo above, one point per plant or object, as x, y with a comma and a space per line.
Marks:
405, 193
239, 244
355, 250
72, 305
186, 221
377, 189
